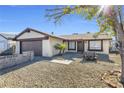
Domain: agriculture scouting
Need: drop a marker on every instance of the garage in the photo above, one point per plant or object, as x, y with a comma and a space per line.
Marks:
35, 46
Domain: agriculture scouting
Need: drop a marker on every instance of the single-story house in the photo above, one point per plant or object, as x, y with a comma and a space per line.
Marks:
43, 44
6, 41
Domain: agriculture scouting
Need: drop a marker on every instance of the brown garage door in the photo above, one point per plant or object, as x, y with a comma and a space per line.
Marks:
35, 46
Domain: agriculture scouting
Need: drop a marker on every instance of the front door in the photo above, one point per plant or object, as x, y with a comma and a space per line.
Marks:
80, 46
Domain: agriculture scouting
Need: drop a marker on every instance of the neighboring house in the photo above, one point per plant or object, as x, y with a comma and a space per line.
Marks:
43, 44
6, 41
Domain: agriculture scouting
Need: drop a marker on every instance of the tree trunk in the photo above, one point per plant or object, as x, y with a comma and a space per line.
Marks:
60, 52
63, 51
121, 41
122, 59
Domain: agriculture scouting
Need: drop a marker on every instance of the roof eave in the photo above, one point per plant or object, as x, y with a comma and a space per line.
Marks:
87, 39
30, 29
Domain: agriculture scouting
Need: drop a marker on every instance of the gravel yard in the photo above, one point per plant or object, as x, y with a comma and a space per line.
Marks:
43, 73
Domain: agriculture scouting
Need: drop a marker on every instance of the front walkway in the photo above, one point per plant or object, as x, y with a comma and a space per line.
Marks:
43, 73
67, 58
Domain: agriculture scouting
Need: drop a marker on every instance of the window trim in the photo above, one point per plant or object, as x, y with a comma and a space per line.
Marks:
95, 49
74, 44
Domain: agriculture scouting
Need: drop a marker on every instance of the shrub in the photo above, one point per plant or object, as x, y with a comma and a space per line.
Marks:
60, 47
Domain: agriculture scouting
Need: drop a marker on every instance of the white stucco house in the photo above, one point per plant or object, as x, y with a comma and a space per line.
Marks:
42, 44
6, 41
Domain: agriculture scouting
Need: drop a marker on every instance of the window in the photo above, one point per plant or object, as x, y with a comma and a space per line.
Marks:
72, 45
95, 45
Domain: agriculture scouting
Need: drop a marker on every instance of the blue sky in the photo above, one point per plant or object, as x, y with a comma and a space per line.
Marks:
14, 19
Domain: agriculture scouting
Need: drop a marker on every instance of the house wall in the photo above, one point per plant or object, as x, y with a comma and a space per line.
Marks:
66, 43
11, 43
3, 44
46, 48
106, 45
53, 42
85, 46
30, 34
17, 47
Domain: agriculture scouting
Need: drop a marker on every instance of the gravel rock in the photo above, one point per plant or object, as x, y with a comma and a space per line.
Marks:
53, 75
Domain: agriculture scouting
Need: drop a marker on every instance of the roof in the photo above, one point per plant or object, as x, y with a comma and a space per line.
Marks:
30, 29
88, 36
8, 36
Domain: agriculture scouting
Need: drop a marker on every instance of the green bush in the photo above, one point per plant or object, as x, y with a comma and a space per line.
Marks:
60, 47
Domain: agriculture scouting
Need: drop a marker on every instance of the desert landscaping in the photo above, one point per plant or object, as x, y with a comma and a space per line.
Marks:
43, 73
